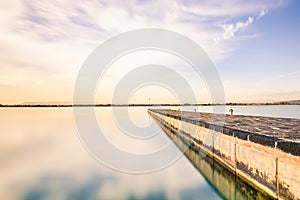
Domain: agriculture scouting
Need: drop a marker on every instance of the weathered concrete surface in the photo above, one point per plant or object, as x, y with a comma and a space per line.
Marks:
226, 183
268, 131
261, 150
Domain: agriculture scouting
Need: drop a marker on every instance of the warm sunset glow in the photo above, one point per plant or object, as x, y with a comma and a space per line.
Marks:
254, 44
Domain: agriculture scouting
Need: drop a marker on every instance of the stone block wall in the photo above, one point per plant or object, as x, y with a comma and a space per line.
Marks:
254, 159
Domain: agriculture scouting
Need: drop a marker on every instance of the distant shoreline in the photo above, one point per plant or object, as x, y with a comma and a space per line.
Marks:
145, 105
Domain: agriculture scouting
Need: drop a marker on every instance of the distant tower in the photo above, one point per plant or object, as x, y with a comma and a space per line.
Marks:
149, 101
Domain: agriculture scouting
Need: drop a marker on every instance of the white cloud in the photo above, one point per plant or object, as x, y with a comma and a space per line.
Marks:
88, 23
52, 37
262, 13
217, 8
229, 30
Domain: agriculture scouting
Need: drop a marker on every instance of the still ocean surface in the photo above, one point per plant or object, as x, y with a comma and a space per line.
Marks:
41, 157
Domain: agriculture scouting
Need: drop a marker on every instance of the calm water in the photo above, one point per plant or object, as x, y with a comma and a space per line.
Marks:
41, 157
286, 111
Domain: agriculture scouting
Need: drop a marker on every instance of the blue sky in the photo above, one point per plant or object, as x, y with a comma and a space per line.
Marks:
269, 65
254, 44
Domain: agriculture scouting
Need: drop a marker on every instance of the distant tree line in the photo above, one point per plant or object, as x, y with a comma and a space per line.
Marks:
141, 105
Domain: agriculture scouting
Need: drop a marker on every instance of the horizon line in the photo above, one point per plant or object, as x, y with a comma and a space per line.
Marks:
292, 102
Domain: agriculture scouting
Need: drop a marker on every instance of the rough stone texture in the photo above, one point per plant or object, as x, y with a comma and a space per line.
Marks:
283, 133
226, 183
248, 154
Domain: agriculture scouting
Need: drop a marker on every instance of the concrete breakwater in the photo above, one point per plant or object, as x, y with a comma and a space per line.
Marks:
261, 151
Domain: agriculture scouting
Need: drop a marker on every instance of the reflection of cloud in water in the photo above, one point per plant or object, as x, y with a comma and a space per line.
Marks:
198, 192
44, 159
151, 196
66, 188
63, 188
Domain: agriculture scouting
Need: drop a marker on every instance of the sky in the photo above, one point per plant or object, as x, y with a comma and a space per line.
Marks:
254, 45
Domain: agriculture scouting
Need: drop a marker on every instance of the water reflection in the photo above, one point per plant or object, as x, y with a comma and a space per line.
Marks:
42, 158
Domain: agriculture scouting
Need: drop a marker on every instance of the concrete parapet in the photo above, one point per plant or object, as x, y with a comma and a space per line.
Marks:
267, 160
